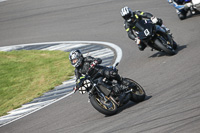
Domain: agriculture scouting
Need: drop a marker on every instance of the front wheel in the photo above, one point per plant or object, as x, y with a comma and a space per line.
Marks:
105, 107
165, 47
138, 93
182, 16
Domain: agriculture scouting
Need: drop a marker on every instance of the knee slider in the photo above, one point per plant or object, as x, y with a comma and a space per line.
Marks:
113, 73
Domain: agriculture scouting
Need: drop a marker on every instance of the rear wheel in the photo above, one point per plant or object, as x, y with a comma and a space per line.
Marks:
138, 93
105, 107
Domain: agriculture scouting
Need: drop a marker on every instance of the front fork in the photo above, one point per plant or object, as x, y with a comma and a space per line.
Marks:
105, 98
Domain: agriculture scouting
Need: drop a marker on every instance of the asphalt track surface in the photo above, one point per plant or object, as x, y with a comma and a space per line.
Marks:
172, 83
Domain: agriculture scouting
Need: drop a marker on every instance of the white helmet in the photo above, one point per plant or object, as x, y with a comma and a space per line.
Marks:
126, 13
76, 58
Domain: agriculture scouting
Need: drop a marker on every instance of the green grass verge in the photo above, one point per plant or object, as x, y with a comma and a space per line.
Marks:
27, 74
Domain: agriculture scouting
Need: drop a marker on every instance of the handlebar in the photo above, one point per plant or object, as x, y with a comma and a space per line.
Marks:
88, 77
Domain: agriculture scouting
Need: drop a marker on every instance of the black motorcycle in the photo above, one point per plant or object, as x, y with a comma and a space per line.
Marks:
103, 95
155, 37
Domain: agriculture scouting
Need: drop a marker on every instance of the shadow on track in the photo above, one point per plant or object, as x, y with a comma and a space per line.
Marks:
160, 54
129, 105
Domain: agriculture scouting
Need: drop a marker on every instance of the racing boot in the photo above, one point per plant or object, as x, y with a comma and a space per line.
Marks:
141, 46
125, 84
116, 89
128, 84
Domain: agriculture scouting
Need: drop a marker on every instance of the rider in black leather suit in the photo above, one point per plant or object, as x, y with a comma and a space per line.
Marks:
91, 66
131, 18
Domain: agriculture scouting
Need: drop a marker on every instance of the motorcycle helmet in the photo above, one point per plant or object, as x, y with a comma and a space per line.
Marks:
76, 58
126, 13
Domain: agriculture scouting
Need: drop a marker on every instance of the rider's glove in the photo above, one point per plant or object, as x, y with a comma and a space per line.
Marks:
137, 40
154, 20
160, 22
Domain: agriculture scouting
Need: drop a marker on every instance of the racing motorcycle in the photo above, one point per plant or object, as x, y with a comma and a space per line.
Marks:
192, 6
103, 95
155, 37
195, 4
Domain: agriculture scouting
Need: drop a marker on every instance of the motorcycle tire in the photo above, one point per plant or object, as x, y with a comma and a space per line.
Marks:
138, 93
107, 109
164, 48
174, 45
181, 16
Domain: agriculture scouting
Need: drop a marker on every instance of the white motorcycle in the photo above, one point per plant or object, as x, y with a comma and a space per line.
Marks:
192, 6
196, 4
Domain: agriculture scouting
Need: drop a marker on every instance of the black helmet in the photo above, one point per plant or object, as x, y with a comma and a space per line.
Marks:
126, 13
76, 58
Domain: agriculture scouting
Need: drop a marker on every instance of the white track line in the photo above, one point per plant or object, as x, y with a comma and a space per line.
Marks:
115, 47
79, 43
38, 109
2, 0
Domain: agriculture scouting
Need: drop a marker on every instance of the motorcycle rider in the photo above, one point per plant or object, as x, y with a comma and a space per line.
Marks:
131, 17
182, 7
91, 66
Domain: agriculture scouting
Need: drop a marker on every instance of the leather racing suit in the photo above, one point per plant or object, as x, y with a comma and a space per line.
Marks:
131, 28
103, 71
